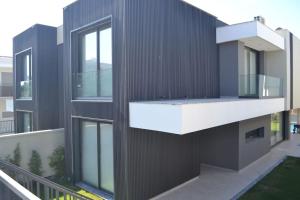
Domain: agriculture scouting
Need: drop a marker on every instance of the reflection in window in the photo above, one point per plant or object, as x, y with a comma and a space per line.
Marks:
24, 120
24, 75
89, 153
276, 128
255, 134
248, 73
97, 155
94, 78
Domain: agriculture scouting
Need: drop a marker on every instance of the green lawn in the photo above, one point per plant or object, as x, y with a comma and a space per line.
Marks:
283, 183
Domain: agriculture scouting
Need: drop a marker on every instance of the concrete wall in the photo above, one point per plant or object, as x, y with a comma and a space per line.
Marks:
44, 142
219, 146
251, 151
226, 147
296, 72
277, 64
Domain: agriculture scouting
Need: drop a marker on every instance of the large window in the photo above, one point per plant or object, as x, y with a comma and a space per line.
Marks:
97, 155
24, 120
93, 78
255, 134
24, 74
276, 128
248, 73
294, 121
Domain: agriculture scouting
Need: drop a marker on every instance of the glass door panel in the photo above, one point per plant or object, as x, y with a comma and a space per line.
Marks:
106, 157
89, 153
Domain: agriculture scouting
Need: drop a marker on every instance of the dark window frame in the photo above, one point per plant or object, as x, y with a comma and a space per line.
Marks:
79, 125
20, 120
255, 134
76, 56
19, 57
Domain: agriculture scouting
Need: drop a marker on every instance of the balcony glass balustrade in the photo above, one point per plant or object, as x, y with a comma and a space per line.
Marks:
260, 86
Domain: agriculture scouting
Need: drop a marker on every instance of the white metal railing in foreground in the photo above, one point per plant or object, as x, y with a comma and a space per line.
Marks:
16, 188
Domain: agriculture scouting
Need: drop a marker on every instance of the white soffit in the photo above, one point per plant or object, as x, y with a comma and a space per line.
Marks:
253, 34
186, 116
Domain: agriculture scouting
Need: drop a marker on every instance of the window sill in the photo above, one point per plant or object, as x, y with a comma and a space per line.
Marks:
95, 191
104, 100
24, 99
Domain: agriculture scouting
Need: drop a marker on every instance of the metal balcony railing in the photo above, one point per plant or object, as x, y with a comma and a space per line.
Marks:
39, 186
7, 126
10, 189
93, 83
260, 86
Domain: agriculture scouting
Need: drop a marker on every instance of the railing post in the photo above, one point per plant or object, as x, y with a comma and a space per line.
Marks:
46, 189
38, 192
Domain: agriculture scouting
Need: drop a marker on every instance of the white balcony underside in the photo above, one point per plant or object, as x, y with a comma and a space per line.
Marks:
253, 34
186, 116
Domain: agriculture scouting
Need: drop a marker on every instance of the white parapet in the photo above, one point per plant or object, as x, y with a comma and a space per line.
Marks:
253, 34
186, 116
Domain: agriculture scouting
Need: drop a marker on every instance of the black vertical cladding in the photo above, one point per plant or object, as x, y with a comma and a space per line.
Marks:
21, 42
42, 41
60, 85
76, 15
161, 50
47, 78
171, 53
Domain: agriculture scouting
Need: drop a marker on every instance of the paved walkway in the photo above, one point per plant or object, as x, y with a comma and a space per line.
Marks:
221, 184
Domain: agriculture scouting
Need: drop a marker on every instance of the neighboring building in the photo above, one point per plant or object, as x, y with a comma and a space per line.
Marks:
6, 95
36, 79
153, 89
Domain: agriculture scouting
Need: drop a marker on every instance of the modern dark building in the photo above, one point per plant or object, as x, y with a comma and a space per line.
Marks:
152, 92
36, 79
155, 89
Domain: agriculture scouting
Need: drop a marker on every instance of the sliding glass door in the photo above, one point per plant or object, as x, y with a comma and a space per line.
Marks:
249, 74
276, 128
97, 155
89, 173
24, 122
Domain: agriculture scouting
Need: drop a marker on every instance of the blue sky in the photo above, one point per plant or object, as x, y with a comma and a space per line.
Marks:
278, 13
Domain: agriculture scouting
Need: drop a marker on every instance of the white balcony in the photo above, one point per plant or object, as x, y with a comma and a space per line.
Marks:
253, 34
186, 116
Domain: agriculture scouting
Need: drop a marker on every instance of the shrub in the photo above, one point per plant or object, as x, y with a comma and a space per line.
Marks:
57, 161
16, 160
35, 163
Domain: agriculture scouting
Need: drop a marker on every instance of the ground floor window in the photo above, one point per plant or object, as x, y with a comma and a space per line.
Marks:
97, 155
294, 121
276, 128
24, 120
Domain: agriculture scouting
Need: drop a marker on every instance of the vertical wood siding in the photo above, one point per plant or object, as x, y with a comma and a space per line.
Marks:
161, 50
170, 53
42, 40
